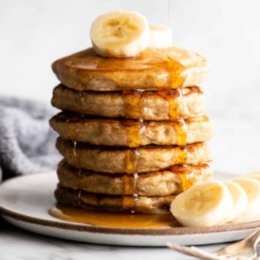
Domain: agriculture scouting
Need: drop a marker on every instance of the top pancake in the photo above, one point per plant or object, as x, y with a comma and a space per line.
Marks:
149, 70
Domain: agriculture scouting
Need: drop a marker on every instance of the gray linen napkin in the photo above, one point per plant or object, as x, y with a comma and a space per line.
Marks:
27, 143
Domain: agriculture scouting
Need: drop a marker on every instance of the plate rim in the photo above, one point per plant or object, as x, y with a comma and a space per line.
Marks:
120, 231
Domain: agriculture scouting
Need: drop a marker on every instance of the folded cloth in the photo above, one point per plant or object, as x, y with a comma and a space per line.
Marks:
27, 143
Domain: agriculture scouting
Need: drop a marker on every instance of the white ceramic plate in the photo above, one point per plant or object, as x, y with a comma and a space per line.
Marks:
25, 201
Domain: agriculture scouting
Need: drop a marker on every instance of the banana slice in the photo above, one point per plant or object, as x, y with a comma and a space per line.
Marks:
161, 36
240, 201
250, 173
255, 176
204, 204
252, 190
252, 176
120, 34
256, 218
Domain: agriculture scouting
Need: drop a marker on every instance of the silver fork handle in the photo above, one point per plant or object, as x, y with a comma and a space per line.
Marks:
254, 238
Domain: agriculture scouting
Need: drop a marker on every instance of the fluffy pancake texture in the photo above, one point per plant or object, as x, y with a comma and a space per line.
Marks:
118, 132
126, 160
123, 204
167, 182
149, 70
161, 105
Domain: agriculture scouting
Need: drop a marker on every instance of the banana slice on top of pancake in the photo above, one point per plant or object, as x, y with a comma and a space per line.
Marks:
161, 36
120, 34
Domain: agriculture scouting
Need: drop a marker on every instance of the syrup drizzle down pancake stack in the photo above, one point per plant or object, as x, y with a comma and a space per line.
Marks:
132, 130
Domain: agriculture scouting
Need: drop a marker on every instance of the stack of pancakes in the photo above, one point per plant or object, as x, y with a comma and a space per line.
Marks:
132, 131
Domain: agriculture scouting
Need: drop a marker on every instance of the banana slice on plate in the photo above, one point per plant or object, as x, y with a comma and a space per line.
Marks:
255, 218
204, 204
161, 36
252, 190
252, 176
250, 173
120, 34
240, 201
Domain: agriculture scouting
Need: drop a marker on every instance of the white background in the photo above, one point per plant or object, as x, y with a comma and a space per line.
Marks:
34, 33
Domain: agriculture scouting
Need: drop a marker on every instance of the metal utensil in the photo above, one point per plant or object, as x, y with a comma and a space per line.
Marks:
243, 250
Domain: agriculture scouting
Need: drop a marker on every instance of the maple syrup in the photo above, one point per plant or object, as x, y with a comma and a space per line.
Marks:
132, 103
134, 131
135, 102
79, 173
72, 134
75, 149
79, 100
164, 72
129, 204
131, 160
70, 128
128, 184
132, 157
174, 97
106, 219
186, 174
135, 192
182, 131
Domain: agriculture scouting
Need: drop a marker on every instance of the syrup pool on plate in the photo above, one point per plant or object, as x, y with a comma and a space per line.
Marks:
106, 219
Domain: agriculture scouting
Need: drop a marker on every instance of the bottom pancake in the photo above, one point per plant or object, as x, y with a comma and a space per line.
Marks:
122, 204
174, 180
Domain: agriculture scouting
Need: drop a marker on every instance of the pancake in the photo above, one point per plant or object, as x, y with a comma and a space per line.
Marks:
161, 105
112, 132
149, 70
123, 204
126, 160
171, 181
